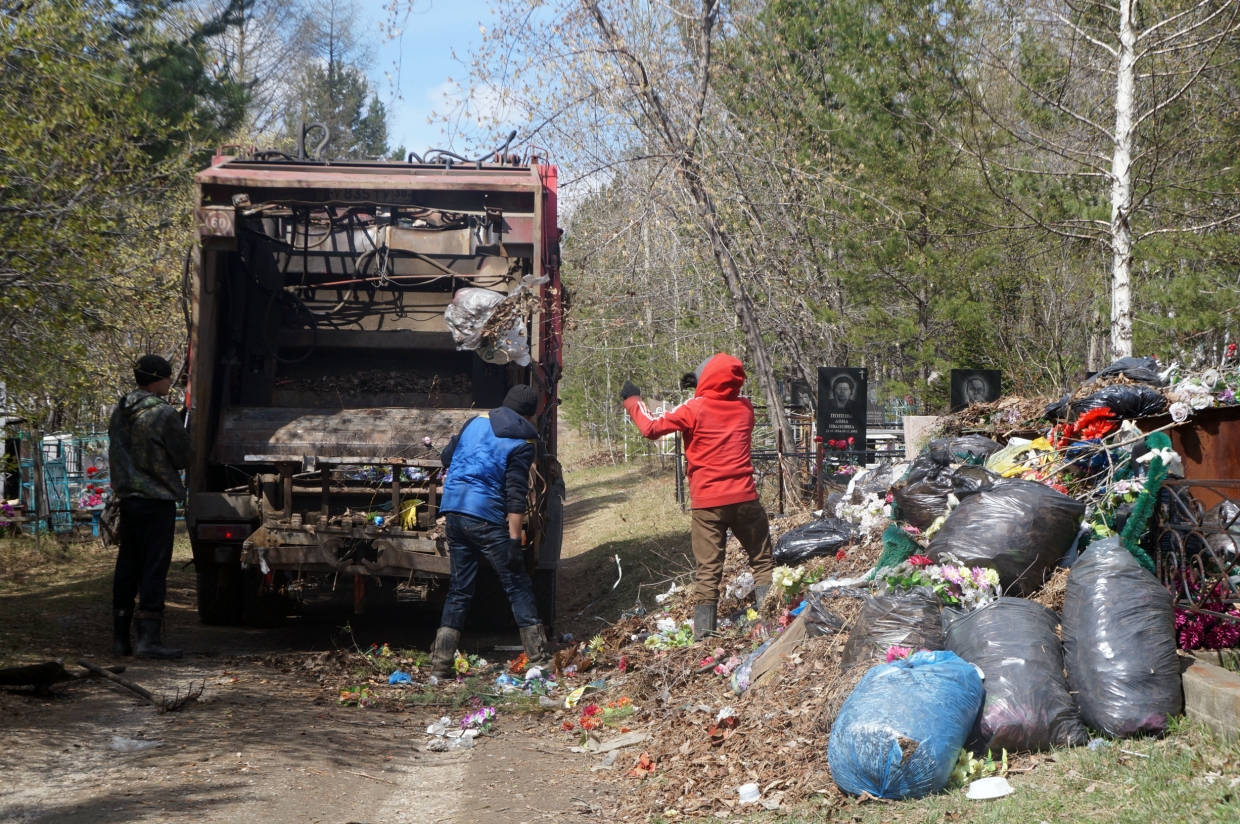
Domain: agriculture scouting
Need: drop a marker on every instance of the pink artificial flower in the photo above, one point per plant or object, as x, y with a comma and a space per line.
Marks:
894, 652
920, 560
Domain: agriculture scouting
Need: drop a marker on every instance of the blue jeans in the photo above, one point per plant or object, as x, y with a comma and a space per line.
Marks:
469, 541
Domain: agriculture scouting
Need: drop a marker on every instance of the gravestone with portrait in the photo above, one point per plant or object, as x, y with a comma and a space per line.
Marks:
970, 386
843, 396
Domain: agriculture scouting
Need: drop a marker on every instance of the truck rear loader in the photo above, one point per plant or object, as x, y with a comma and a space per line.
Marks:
324, 377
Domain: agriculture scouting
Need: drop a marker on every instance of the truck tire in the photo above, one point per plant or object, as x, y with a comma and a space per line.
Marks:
262, 607
220, 601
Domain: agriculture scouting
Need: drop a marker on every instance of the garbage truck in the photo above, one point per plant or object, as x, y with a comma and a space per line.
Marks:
346, 320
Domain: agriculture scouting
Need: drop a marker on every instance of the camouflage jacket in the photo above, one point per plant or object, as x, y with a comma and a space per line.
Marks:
148, 448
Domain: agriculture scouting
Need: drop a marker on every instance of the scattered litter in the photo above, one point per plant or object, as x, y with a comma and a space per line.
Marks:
985, 789
672, 590
122, 744
399, 677
749, 793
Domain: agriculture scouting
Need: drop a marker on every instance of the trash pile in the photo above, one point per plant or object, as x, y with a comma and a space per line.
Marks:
935, 622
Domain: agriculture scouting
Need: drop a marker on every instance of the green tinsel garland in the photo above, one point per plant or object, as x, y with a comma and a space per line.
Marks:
1143, 509
898, 547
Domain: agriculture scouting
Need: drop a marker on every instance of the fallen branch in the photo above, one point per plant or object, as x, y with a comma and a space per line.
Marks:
163, 704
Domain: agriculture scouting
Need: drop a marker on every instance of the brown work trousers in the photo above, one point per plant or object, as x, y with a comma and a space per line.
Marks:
710, 539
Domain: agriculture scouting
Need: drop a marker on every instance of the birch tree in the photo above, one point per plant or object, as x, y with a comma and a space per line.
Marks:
1101, 100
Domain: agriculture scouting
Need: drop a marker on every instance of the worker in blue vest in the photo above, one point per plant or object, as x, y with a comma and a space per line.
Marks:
484, 501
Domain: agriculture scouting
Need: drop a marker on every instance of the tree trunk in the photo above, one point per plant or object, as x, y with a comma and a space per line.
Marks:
759, 356
1121, 185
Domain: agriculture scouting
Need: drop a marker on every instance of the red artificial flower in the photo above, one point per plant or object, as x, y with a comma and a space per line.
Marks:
851, 441
841, 555
706, 662
623, 666
920, 560
817, 439
1231, 350
567, 725
590, 710
92, 470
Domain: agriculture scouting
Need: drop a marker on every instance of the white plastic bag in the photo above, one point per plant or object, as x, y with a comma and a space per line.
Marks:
468, 313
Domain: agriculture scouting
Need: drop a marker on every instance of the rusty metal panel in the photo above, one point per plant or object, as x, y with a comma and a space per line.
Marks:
270, 434
1209, 445
362, 182
451, 242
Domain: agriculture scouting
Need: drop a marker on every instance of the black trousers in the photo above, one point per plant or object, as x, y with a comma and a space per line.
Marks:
147, 527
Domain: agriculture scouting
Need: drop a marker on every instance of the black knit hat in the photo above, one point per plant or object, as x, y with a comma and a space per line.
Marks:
151, 368
522, 399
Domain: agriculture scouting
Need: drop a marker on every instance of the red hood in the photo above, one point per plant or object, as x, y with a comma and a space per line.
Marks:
721, 378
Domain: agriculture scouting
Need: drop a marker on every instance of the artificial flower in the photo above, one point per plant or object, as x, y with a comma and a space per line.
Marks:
894, 652
1180, 411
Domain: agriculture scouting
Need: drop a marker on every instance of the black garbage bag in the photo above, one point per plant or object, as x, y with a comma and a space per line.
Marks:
1141, 370
1119, 643
922, 496
1028, 706
903, 619
970, 449
875, 481
821, 537
1126, 401
1020, 529
820, 619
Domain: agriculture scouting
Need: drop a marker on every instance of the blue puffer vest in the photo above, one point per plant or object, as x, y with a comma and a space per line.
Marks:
475, 482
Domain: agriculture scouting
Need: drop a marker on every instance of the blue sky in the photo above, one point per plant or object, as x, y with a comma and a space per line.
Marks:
434, 30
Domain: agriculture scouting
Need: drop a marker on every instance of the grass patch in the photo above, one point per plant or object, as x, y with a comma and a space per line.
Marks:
630, 511
1189, 776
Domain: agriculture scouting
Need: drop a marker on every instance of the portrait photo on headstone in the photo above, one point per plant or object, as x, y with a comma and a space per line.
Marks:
843, 400
970, 386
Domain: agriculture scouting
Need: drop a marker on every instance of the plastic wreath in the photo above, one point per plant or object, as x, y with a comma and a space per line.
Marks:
954, 583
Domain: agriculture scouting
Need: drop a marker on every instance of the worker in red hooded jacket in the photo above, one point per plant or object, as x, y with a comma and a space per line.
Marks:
718, 428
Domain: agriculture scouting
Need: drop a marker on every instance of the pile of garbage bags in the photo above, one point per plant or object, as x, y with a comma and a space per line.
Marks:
946, 676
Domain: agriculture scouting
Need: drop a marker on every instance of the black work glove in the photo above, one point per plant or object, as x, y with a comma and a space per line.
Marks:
628, 391
515, 556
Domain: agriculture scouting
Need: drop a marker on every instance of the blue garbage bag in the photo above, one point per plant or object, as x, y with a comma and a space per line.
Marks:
399, 677
900, 732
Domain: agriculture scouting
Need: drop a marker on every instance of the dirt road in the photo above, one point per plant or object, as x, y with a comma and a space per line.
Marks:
266, 742
261, 743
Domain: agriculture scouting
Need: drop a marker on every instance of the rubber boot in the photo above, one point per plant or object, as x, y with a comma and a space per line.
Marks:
443, 653
703, 620
122, 619
150, 625
759, 596
537, 651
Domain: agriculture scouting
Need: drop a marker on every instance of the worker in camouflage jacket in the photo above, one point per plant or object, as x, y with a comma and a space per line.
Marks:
148, 449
